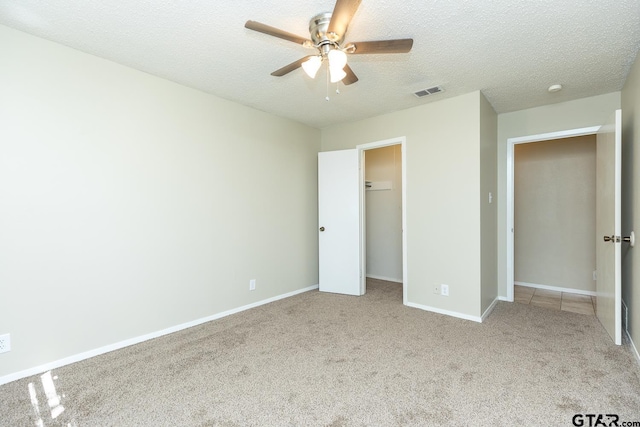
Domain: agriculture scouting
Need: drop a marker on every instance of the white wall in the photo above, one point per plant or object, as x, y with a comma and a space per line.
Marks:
488, 209
555, 213
384, 214
130, 204
443, 195
631, 199
592, 111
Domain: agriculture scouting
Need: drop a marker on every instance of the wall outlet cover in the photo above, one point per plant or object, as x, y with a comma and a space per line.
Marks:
444, 290
5, 343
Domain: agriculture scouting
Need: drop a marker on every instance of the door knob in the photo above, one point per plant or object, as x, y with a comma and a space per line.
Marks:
321, 228
631, 239
609, 238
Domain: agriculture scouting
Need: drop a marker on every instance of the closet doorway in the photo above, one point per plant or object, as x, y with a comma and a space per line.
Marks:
608, 217
555, 223
383, 221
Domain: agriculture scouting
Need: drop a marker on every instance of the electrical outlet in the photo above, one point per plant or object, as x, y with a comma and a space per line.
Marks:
444, 290
436, 290
252, 284
5, 343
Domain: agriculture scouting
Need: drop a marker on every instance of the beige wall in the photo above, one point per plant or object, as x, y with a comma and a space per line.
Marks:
443, 195
631, 199
384, 213
130, 204
555, 213
488, 210
580, 113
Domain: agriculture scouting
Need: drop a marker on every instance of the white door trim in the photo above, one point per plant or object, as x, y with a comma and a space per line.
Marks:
511, 142
402, 141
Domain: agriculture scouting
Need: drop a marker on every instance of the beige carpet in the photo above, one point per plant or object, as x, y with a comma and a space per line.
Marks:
330, 360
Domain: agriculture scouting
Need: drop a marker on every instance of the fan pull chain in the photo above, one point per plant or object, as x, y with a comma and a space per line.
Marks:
327, 97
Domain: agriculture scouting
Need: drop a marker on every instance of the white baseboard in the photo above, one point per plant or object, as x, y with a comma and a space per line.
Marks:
633, 347
488, 311
136, 340
625, 324
555, 288
501, 298
445, 312
388, 279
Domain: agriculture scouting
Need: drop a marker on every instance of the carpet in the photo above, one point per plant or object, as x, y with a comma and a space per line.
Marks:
320, 359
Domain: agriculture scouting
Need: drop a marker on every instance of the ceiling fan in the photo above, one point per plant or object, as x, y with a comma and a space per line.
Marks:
327, 31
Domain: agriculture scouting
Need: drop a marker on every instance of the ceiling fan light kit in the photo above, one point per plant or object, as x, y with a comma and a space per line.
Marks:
337, 61
327, 32
312, 65
336, 74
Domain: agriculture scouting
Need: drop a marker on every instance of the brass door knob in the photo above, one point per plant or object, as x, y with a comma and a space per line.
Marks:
321, 228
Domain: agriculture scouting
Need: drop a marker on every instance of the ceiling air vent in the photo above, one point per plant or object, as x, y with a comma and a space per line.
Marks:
430, 91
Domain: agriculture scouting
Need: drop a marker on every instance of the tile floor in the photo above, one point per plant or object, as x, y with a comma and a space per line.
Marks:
565, 301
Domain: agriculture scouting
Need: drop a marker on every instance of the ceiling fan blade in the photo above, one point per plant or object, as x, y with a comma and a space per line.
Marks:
341, 16
383, 46
351, 77
289, 68
275, 32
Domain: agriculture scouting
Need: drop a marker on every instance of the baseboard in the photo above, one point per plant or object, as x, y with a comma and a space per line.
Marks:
501, 298
488, 311
555, 288
625, 328
126, 343
633, 347
445, 312
387, 279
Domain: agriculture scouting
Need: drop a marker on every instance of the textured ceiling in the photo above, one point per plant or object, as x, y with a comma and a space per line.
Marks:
511, 50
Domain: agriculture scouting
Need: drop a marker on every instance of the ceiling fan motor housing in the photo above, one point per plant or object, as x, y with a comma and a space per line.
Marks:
318, 30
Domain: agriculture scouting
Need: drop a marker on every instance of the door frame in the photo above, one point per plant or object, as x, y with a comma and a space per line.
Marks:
511, 142
402, 141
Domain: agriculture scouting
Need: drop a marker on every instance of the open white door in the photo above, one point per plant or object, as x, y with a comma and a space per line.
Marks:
339, 222
608, 226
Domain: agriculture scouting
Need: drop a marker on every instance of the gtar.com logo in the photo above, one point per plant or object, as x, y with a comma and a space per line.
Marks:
601, 420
